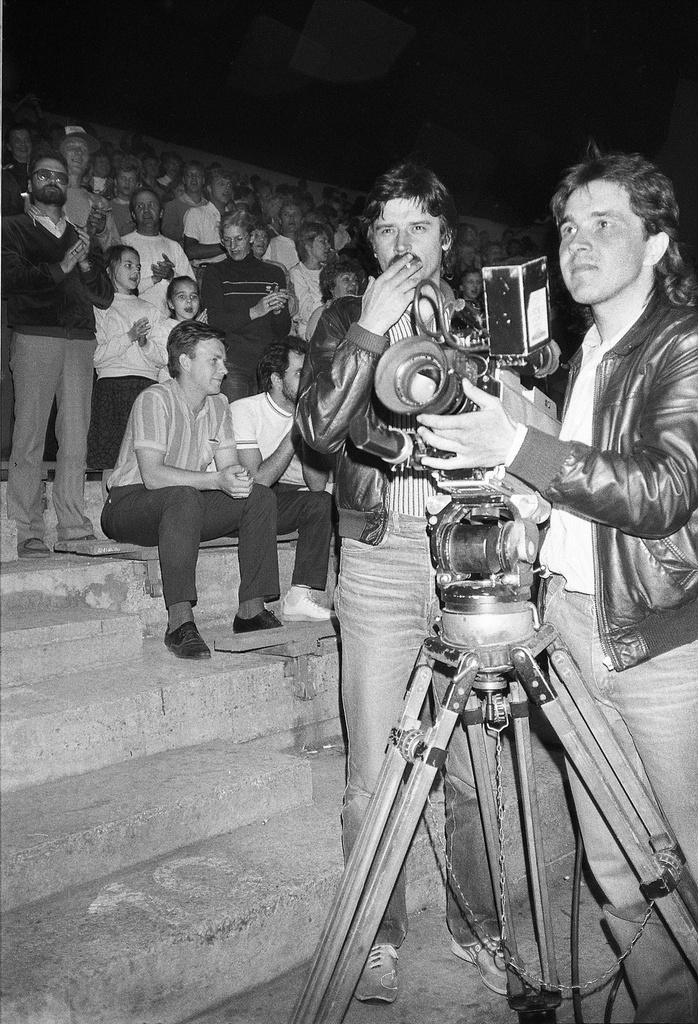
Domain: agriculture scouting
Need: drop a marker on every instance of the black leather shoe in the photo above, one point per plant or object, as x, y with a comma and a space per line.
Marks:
265, 620
186, 642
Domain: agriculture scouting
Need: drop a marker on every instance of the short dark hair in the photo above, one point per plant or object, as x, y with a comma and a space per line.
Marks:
308, 232
342, 265
184, 339
652, 199
167, 155
129, 164
46, 154
287, 203
139, 191
17, 126
419, 184
276, 359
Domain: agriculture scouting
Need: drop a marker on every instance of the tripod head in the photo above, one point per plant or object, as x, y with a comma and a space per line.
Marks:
484, 551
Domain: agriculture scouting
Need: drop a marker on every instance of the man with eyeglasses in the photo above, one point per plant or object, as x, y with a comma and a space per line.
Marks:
249, 300
52, 280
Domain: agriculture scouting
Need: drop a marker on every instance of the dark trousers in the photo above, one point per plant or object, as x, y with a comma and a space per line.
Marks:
310, 513
177, 519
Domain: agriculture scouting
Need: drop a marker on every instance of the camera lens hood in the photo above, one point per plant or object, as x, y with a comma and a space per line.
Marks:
413, 377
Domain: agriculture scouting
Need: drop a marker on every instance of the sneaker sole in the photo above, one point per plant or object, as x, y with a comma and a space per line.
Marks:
291, 617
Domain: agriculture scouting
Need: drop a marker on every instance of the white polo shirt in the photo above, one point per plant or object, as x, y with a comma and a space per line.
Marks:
260, 423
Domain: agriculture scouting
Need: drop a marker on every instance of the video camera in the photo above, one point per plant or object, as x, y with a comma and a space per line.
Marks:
423, 374
482, 545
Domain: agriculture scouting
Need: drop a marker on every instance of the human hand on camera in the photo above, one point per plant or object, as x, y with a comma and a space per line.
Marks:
387, 297
478, 438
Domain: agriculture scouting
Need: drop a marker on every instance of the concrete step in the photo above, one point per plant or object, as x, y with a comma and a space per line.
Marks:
162, 942
58, 643
8, 530
123, 585
68, 832
58, 726
182, 932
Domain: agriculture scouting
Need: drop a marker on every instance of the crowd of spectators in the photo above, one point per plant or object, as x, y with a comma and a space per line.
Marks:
288, 217
182, 240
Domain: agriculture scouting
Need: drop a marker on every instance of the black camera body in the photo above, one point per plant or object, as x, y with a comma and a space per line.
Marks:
424, 373
482, 546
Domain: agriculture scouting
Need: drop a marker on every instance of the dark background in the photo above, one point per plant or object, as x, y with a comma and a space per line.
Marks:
498, 97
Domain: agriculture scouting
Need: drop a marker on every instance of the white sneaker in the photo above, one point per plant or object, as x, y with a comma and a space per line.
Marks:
299, 606
378, 981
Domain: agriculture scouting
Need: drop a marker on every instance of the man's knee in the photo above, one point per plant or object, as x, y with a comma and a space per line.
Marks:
262, 500
182, 506
317, 507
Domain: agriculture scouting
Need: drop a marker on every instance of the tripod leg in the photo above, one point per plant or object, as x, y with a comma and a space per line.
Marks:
380, 849
363, 851
643, 801
519, 710
634, 819
473, 718
529, 1002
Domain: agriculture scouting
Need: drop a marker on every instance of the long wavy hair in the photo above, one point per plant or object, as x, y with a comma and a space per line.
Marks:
652, 199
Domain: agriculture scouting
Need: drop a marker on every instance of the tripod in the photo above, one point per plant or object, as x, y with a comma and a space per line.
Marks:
487, 649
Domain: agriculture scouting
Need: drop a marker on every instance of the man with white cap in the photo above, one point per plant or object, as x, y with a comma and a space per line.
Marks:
82, 208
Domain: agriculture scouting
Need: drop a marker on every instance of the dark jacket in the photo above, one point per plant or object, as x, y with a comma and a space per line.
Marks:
229, 290
336, 386
41, 298
637, 483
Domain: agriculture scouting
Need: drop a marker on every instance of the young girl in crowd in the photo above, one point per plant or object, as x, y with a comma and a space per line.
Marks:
184, 303
131, 351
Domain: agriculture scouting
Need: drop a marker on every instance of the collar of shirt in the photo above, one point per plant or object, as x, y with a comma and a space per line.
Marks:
277, 408
593, 345
56, 229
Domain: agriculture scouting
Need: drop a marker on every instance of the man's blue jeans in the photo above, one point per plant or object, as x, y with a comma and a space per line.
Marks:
386, 604
653, 711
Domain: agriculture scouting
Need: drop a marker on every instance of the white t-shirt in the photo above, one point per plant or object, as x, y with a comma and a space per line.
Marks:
306, 285
202, 223
151, 248
260, 423
282, 250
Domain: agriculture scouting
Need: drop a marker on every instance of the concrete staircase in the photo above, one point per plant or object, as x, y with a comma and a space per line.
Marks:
170, 830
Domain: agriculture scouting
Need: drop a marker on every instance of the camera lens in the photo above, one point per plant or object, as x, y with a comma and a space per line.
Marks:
415, 376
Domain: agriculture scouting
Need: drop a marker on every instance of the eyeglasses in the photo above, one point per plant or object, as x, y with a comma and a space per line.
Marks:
45, 175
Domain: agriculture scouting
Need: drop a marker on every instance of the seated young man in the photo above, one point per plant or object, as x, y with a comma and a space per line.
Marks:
160, 492
271, 448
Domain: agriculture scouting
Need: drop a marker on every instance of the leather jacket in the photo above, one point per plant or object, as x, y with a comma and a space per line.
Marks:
637, 483
336, 386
